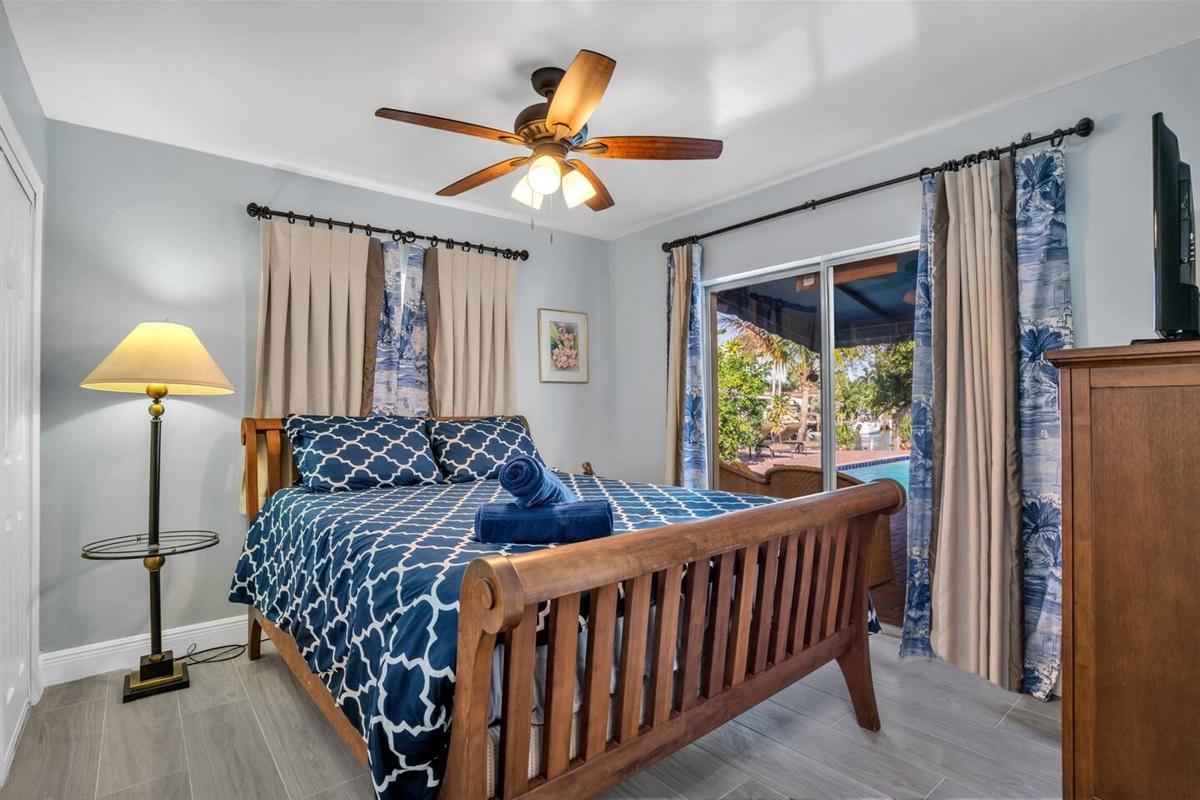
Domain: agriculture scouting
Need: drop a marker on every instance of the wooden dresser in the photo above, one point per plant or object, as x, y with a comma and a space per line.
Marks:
1131, 571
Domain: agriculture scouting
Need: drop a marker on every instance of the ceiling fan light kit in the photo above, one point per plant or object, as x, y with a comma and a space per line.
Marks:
545, 174
576, 188
557, 127
524, 193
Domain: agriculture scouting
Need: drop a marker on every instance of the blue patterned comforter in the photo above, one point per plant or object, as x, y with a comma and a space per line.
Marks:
367, 584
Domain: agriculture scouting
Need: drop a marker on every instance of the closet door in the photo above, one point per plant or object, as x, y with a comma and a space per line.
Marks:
17, 420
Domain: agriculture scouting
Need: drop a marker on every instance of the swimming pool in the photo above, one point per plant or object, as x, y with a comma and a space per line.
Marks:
896, 469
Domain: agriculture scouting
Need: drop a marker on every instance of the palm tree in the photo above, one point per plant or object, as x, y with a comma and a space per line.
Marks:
782, 353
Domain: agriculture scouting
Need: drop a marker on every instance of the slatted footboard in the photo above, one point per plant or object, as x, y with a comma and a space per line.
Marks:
743, 605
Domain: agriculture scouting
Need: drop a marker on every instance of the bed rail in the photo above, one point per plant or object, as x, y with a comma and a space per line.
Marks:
746, 604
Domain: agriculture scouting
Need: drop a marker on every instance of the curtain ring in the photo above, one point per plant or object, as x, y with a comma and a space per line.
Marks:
1056, 139
465, 247
329, 222
291, 218
449, 244
397, 235
480, 249
312, 222
410, 237
433, 241
352, 227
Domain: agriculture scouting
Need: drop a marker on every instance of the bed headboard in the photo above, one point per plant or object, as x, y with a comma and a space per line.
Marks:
269, 463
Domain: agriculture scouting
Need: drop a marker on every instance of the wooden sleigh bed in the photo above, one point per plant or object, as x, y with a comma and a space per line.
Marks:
745, 604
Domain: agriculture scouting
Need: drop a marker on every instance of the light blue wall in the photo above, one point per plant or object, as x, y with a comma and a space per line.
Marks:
19, 97
1108, 221
136, 231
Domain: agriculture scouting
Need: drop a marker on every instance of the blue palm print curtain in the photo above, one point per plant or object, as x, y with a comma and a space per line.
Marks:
914, 639
402, 355
1044, 303
694, 434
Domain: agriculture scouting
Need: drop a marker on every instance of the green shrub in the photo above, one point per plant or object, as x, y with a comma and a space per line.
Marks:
847, 437
741, 379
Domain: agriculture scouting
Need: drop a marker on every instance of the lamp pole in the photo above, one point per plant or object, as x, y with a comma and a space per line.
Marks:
154, 564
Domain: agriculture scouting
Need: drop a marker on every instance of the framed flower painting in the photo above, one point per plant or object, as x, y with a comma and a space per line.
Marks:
562, 346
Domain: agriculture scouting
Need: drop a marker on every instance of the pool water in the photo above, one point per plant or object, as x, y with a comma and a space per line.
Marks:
896, 470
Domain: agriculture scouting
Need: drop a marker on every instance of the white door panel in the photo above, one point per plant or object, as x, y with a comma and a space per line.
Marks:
17, 586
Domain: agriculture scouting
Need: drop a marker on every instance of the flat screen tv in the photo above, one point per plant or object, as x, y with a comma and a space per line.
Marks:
1176, 296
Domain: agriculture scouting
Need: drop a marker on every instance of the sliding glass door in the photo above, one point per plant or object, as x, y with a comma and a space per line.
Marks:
767, 341
810, 386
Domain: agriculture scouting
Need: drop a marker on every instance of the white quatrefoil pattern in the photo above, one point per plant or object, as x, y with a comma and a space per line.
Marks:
342, 453
476, 449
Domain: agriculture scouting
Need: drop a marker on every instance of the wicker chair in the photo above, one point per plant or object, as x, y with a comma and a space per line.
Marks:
795, 480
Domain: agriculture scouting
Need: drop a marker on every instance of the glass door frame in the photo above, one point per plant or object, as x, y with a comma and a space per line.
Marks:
823, 266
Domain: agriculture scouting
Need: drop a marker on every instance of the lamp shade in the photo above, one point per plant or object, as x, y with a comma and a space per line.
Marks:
159, 353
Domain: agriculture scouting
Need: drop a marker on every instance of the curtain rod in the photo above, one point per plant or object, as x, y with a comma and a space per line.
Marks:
1083, 129
263, 212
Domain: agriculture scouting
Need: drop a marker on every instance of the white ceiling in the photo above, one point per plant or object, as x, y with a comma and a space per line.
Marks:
788, 86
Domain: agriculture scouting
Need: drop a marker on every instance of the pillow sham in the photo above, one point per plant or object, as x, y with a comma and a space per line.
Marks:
345, 453
475, 449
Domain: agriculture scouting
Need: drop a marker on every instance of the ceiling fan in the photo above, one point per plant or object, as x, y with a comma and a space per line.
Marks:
556, 128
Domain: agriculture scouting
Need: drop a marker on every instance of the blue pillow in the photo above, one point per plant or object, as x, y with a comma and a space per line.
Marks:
476, 449
344, 453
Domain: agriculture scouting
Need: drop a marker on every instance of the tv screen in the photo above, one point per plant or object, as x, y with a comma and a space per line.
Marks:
1177, 299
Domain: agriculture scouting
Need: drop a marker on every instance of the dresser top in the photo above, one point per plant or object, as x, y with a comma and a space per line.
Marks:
1155, 353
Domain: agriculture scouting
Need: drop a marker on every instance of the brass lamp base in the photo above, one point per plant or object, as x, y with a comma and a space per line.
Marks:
155, 676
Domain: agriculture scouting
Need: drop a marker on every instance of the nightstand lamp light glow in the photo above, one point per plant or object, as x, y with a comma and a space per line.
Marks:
160, 359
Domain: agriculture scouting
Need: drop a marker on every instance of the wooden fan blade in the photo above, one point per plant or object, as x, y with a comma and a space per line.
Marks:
657, 148
483, 176
579, 93
603, 199
452, 125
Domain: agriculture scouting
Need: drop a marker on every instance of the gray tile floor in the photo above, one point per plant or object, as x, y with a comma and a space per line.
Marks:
247, 730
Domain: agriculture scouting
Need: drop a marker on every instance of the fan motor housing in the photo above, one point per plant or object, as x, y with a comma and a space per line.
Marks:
531, 122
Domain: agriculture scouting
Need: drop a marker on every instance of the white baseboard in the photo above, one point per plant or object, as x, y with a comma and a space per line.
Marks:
74, 663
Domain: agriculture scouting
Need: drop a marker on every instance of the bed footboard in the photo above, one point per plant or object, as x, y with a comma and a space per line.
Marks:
744, 605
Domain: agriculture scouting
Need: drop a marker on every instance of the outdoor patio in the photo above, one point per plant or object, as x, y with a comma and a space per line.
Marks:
812, 457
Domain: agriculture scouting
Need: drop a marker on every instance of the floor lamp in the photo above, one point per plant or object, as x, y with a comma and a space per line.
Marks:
158, 358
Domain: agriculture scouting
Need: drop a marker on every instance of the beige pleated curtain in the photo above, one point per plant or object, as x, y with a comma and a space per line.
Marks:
311, 321
975, 544
313, 325
677, 335
471, 301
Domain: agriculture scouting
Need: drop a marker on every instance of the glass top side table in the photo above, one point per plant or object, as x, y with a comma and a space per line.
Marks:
159, 671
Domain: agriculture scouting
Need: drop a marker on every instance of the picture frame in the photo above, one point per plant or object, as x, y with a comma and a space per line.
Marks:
562, 346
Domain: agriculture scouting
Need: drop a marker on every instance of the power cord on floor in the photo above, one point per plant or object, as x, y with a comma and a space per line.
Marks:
223, 652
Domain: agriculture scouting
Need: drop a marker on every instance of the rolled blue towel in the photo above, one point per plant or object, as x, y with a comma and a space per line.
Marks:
562, 523
532, 484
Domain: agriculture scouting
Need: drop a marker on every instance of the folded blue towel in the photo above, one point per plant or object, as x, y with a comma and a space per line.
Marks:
562, 523
532, 484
